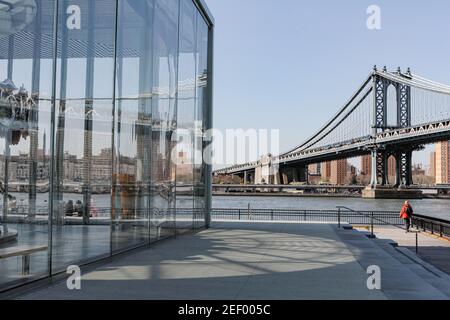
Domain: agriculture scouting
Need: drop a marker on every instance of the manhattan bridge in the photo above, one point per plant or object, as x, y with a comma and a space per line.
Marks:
391, 114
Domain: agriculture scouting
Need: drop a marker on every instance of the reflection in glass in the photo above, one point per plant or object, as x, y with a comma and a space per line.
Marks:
164, 92
186, 115
201, 116
132, 166
25, 107
81, 225
92, 161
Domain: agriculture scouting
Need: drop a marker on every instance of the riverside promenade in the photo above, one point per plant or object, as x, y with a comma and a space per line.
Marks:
256, 260
431, 248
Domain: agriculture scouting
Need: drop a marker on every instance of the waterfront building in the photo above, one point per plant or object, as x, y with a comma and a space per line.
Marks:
339, 172
105, 88
325, 171
314, 169
442, 163
432, 167
392, 169
366, 165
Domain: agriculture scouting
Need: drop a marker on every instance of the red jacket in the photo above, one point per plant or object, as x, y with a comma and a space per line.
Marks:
406, 212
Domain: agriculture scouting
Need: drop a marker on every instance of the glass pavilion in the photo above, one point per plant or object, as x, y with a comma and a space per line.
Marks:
104, 111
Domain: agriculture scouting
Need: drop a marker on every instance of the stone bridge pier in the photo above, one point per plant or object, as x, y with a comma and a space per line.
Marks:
401, 188
269, 173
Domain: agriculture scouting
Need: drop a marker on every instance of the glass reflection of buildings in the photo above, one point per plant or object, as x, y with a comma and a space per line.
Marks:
106, 86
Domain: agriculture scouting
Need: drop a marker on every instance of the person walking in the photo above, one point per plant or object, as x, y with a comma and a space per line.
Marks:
406, 214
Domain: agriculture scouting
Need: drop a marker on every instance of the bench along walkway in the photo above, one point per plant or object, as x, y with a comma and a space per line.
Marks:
24, 252
252, 260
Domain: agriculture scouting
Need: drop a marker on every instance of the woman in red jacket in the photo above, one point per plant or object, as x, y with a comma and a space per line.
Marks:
406, 214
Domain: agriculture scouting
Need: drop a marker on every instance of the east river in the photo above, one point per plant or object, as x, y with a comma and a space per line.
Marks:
439, 208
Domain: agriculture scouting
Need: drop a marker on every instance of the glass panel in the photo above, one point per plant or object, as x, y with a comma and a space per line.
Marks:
200, 123
185, 115
26, 32
132, 166
165, 44
116, 170
83, 133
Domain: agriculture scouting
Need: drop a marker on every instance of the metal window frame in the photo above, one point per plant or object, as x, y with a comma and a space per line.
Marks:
206, 13
209, 19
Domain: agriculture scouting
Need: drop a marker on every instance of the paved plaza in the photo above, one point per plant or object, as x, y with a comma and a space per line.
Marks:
253, 261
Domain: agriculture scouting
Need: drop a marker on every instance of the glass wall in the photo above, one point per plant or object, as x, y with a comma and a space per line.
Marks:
186, 114
25, 127
103, 111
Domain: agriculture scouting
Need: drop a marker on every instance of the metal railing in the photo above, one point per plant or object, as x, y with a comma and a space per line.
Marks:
339, 215
373, 219
335, 216
434, 226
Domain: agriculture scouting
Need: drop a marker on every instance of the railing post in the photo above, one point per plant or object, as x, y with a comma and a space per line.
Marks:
432, 227
339, 218
239, 214
417, 242
304, 215
371, 224
271, 215
441, 231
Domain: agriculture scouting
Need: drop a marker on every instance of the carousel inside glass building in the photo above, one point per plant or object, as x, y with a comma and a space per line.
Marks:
104, 111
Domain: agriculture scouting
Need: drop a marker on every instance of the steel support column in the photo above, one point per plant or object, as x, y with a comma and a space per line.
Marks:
380, 93
404, 164
379, 168
404, 157
403, 106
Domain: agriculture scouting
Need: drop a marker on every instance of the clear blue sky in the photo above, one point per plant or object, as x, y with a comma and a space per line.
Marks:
290, 64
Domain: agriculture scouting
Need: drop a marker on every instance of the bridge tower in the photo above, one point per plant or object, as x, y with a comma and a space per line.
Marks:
381, 154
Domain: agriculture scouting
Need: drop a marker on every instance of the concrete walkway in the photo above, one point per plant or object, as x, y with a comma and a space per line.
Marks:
256, 260
232, 261
432, 249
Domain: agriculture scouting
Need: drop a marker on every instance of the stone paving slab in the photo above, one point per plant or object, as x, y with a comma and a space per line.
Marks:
242, 261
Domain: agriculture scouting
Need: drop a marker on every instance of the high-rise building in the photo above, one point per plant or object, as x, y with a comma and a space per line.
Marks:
325, 170
442, 163
432, 170
366, 165
339, 172
392, 167
314, 169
